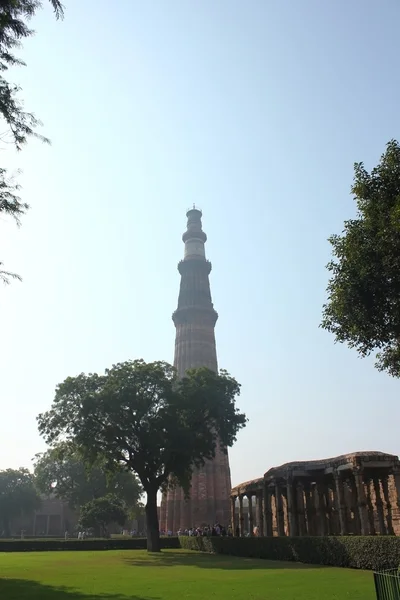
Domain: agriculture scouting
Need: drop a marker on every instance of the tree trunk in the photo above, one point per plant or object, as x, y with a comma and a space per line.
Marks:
153, 532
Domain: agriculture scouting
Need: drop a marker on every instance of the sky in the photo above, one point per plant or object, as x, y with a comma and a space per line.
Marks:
256, 112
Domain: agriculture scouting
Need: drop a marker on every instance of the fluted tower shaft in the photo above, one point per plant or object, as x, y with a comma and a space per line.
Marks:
195, 319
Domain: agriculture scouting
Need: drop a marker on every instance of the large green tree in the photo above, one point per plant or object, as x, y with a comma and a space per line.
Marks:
61, 471
363, 307
20, 125
99, 513
141, 417
18, 496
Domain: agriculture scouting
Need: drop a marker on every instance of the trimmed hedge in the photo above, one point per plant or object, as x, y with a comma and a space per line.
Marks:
366, 552
88, 544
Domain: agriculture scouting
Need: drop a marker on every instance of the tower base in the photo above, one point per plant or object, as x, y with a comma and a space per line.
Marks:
209, 498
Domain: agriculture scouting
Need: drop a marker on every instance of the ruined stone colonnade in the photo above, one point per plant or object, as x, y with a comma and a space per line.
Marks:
352, 494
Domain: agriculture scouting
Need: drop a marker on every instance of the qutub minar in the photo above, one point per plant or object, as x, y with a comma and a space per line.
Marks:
195, 320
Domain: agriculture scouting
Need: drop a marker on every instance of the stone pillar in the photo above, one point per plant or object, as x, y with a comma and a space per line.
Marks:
370, 507
379, 506
396, 477
267, 509
291, 508
330, 513
302, 525
280, 522
233, 515
251, 520
362, 502
319, 509
241, 516
389, 514
310, 510
323, 509
259, 514
340, 502
356, 523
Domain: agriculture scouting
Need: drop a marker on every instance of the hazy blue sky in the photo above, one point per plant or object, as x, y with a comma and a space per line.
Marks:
256, 111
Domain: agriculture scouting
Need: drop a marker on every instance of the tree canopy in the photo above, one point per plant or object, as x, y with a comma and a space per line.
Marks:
142, 417
18, 496
363, 307
62, 472
14, 18
99, 513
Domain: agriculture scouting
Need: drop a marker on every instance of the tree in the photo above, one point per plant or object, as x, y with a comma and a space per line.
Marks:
363, 308
18, 496
141, 416
14, 15
99, 513
61, 471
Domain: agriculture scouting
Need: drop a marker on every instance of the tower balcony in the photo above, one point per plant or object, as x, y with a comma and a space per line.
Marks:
194, 233
189, 314
193, 262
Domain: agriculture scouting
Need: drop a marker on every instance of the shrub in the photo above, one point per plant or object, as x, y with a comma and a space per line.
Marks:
89, 544
366, 552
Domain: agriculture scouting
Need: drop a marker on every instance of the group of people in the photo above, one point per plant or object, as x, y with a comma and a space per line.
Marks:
208, 530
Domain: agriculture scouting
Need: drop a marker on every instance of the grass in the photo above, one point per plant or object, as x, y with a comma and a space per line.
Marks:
174, 574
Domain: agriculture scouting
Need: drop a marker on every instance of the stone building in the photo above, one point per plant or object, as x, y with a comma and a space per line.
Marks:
352, 494
195, 320
53, 518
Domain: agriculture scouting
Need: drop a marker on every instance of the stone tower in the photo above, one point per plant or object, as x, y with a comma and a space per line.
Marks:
195, 319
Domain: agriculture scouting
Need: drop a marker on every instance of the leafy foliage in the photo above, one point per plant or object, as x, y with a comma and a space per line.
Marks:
356, 552
99, 513
61, 471
363, 308
18, 496
140, 416
14, 15
50, 545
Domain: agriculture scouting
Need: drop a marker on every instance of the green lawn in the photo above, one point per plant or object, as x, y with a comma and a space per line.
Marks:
173, 575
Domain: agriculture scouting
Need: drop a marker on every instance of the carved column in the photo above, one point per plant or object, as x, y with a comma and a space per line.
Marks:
310, 509
330, 510
379, 506
370, 507
396, 477
319, 509
340, 502
251, 520
301, 509
241, 516
356, 522
280, 522
268, 530
233, 514
385, 487
259, 514
328, 524
323, 508
362, 502
291, 507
